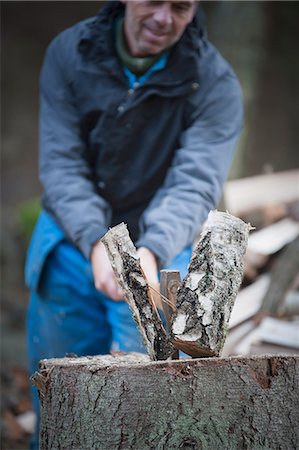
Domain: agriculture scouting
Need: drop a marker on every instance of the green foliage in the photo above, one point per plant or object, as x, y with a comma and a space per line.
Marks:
27, 217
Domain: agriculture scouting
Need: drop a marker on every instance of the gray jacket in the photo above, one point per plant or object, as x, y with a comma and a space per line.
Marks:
155, 157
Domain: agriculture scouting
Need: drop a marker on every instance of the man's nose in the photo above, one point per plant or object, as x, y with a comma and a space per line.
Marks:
163, 14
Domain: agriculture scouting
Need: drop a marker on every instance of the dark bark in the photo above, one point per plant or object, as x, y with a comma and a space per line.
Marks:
123, 402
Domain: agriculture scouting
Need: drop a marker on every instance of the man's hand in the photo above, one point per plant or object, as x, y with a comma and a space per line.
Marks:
149, 265
104, 278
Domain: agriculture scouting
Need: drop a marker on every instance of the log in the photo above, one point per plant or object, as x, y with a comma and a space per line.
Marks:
126, 402
252, 193
205, 298
249, 300
275, 332
129, 274
283, 273
273, 238
207, 294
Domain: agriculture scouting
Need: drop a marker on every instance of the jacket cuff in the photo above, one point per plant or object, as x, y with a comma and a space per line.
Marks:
90, 238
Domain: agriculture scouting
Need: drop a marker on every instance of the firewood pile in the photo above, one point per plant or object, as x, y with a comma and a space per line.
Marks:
265, 317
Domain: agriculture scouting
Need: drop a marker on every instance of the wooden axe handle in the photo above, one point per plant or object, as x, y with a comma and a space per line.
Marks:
170, 282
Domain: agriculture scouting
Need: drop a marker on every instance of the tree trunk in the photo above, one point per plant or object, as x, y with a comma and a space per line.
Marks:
126, 402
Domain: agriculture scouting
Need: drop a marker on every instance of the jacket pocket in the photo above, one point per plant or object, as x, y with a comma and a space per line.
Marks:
47, 234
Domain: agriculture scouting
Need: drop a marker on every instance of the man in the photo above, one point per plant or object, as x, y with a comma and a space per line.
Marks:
139, 119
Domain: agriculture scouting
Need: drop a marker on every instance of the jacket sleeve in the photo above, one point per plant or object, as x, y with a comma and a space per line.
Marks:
194, 182
64, 172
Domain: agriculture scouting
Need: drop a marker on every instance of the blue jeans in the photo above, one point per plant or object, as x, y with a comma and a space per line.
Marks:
66, 313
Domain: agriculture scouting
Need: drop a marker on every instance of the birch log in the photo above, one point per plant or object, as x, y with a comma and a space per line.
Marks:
126, 265
207, 294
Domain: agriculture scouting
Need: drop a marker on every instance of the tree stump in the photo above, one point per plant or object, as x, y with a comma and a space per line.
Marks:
127, 402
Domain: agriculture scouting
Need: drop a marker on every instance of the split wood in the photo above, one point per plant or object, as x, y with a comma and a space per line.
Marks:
130, 276
205, 298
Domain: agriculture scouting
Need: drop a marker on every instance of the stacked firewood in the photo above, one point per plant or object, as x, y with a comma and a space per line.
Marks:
265, 317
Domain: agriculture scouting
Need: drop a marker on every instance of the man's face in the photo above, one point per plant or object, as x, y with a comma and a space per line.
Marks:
153, 26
